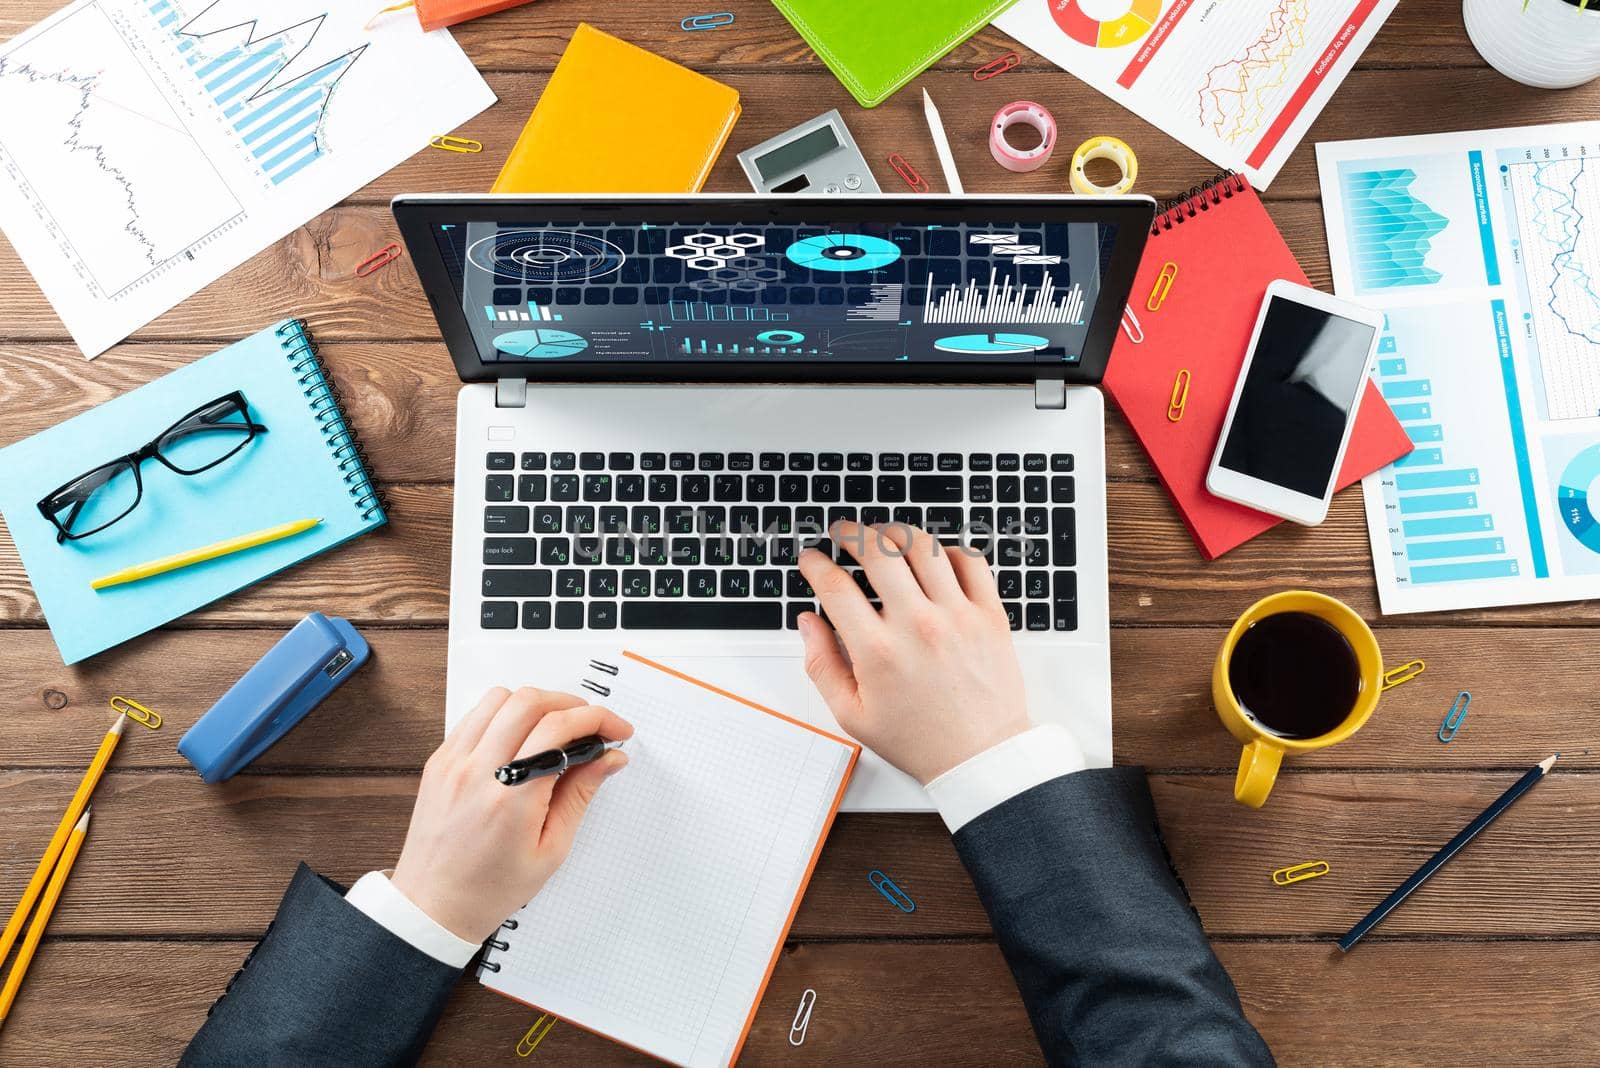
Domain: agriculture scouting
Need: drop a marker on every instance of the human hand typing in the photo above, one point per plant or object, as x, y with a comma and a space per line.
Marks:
931, 680
477, 850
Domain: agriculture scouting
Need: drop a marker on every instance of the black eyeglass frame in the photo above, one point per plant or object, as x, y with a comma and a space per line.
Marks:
135, 460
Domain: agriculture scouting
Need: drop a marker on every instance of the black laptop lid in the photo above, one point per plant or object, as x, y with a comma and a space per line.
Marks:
743, 288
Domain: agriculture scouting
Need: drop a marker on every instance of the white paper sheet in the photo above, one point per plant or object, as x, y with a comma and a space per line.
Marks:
1239, 82
659, 929
1481, 249
148, 147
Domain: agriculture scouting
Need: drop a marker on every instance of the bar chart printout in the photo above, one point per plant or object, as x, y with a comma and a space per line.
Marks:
148, 147
1479, 248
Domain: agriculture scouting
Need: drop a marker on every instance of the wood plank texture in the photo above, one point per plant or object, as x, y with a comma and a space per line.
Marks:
1485, 1004
1525, 876
391, 715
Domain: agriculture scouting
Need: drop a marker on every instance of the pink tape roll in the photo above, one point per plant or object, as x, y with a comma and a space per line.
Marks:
1025, 113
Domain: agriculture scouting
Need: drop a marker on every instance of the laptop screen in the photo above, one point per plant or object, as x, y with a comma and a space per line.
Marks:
1004, 288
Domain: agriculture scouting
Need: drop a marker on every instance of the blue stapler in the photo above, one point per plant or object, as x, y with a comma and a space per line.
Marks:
308, 664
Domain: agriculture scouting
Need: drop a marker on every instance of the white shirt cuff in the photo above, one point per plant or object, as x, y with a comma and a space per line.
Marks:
376, 896
1003, 771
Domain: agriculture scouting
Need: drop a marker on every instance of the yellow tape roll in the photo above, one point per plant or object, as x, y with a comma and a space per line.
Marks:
1104, 148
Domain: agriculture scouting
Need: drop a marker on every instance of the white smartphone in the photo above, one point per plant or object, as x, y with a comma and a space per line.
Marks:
1295, 402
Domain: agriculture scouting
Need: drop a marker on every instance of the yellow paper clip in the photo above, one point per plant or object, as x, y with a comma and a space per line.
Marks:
136, 712
378, 260
535, 1035
1404, 673
387, 10
1453, 718
1298, 873
1180, 396
456, 144
1163, 286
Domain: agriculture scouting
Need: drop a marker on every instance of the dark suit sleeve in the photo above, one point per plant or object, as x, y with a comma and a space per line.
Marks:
1112, 963
326, 985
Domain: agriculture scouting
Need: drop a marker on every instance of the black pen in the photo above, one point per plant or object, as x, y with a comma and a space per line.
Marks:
555, 761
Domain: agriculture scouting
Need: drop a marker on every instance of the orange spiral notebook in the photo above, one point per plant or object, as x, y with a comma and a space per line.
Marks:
615, 118
1224, 249
662, 928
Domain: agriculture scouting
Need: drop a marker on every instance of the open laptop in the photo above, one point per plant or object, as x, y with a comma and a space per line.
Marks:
667, 398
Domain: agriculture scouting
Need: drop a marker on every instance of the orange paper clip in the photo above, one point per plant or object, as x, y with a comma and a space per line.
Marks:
388, 10
997, 67
1163, 286
1297, 873
917, 182
456, 144
1402, 674
378, 260
1180, 395
535, 1035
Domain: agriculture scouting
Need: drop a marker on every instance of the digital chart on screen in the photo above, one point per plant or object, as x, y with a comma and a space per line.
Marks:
1239, 82
149, 146
1478, 248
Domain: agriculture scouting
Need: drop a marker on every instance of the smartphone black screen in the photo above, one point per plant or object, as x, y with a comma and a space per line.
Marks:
1301, 389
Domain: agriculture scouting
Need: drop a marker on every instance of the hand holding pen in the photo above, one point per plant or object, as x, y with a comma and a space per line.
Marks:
555, 761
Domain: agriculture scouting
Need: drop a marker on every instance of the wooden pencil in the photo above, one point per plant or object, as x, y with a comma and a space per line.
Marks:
1451, 848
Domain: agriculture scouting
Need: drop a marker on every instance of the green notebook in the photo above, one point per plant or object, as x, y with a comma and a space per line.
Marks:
875, 47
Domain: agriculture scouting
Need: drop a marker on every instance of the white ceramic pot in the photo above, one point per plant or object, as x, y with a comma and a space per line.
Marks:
1550, 44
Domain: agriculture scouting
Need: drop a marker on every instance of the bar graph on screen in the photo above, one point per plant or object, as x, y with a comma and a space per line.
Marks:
1004, 302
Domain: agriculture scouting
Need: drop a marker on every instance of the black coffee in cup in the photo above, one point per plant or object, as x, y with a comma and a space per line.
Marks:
1296, 674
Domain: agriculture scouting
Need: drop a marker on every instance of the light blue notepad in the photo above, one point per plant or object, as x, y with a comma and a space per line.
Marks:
306, 465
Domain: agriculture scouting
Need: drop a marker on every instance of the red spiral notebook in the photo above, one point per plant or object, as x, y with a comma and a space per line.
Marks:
1226, 250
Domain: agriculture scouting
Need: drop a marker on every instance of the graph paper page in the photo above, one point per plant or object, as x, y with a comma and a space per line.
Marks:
661, 927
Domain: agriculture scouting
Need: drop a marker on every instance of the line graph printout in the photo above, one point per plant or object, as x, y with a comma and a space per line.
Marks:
148, 147
1239, 82
1480, 250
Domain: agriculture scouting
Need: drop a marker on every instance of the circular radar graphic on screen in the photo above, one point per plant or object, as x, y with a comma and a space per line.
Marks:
1577, 498
540, 344
781, 337
843, 252
1106, 23
992, 344
546, 256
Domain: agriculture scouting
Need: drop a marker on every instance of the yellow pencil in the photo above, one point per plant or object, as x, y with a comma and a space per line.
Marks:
204, 553
19, 967
80, 801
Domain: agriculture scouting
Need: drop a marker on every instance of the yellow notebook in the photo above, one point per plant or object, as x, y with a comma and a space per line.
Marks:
618, 119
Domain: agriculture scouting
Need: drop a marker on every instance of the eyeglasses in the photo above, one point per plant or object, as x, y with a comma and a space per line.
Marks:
198, 442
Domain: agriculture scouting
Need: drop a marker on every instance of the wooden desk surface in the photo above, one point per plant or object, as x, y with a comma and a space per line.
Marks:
1492, 962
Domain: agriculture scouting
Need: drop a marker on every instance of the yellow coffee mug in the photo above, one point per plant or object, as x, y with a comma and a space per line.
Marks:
1263, 750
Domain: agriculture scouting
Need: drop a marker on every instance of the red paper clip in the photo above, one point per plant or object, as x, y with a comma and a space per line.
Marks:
917, 182
996, 68
378, 260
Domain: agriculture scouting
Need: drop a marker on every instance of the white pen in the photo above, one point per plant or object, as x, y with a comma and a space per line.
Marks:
941, 144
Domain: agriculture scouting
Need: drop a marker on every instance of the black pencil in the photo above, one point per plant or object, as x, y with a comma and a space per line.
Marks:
1451, 848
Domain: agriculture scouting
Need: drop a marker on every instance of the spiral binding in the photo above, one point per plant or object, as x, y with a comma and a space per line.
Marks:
502, 944
492, 944
1200, 198
327, 409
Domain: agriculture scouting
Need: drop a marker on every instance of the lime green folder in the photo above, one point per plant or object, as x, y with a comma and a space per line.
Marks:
876, 46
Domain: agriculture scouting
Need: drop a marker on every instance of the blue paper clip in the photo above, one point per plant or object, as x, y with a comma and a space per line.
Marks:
708, 22
886, 886
1453, 718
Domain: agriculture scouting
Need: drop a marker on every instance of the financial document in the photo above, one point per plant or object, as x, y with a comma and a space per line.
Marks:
1238, 82
148, 147
1482, 251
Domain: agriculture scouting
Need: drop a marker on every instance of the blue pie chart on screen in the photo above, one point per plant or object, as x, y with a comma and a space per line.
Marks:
843, 252
540, 344
1579, 496
992, 344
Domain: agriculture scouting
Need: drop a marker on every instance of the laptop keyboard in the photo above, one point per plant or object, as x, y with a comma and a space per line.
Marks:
710, 540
